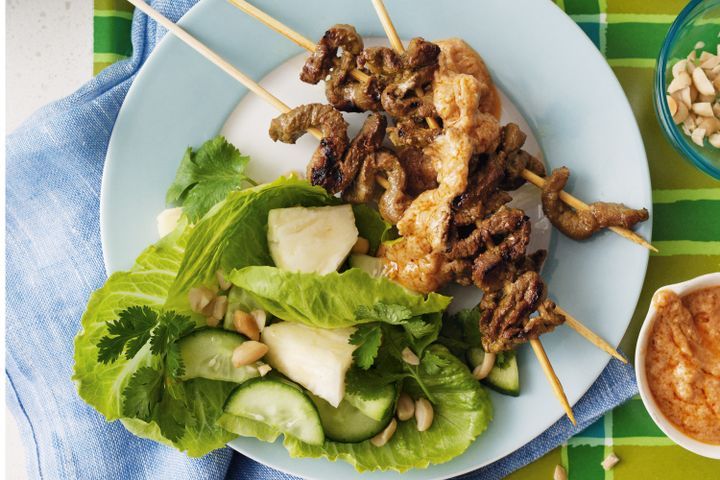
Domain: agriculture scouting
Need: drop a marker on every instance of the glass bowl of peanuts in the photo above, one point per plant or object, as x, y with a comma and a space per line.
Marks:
687, 85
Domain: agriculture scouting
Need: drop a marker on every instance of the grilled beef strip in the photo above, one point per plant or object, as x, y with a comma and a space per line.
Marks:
582, 224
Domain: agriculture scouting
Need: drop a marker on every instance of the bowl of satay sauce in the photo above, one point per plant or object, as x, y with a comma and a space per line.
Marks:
677, 362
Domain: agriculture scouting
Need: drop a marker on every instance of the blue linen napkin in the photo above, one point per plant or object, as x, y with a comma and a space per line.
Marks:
54, 261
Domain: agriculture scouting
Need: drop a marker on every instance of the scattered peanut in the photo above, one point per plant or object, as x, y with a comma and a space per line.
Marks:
222, 282
560, 473
362, 246
383, 437
678, 83
610, 461
260, 318
200, 297
423, 414
212, 321
405, 407
264, 369
220, 307
409, 357
248, 352
245, 323
483, 370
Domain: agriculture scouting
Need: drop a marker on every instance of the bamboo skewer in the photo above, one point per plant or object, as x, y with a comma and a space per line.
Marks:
277, 103
258, 90
552, 377
535, 342
307, 44
397, 45
590, 336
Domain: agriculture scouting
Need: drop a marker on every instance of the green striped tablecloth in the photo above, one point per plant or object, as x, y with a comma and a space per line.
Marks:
686, 228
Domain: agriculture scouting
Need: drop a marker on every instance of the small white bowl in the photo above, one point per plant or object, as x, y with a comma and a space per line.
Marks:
689, 443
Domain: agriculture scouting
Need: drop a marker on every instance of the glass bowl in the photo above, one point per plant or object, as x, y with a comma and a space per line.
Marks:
699, 21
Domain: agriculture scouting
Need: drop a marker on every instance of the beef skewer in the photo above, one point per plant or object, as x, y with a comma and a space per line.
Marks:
535, 343
216, 59
526, 173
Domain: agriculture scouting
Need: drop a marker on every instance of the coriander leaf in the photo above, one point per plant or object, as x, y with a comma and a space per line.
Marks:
142, 393
129, 332
423, 331
368, 338
206, 176
171, 327
386, 313
173, 417
174, 362
434, 363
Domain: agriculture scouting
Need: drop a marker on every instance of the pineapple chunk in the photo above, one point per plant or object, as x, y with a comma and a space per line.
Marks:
311, 240
316, 358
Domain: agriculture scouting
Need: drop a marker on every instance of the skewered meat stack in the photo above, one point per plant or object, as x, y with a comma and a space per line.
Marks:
446, 187
442, 179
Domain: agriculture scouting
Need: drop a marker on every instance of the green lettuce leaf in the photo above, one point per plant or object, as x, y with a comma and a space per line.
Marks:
371, 226
192, 421
234, 234
206, 176
462, 412
329, 301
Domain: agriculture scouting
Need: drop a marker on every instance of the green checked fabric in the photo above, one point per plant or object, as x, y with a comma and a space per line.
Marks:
686, 228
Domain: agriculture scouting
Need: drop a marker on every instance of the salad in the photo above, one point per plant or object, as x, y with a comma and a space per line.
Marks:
263, 312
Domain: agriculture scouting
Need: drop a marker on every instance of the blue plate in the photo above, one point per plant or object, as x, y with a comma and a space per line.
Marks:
544, 64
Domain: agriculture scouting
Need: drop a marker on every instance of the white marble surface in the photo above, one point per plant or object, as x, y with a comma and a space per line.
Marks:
48, 56
48, 53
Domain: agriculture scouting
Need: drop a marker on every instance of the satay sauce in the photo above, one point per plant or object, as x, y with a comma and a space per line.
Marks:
683, 361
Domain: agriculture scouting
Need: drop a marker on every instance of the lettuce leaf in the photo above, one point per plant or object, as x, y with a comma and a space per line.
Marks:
462, 412
234, 233
102, 385
329, 301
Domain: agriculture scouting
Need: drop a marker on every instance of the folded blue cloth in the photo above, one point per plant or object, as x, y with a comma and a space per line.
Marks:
54, 261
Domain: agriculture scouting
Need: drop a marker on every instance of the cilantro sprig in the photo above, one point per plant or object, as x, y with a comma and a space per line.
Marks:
206, 176
152, 393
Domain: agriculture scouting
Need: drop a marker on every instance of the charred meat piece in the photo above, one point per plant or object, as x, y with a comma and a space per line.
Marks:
326, 168
412, 132
381, 62
393, 201
505, 314
348, 95
482, 196
421, 175
318, 65
399, 100
495, 248
516, 160
582, 224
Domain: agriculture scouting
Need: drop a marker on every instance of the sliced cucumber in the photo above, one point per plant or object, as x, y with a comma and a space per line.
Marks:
346, 423
207, 353
505, 379
378, 408
373, 266
279, 406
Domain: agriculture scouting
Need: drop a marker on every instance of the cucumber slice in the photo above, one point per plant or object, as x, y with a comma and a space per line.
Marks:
346, 423
207, 353
278, 405
378, 408
371, 265
505, 380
